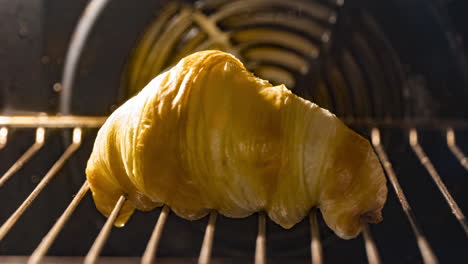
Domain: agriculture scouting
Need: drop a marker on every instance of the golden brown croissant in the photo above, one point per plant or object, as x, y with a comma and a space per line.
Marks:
208, 134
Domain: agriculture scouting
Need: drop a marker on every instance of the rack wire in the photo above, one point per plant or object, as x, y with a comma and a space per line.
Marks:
42, 123
149, 255
451, 142
315, 245
424, 247
150, 252
413, 135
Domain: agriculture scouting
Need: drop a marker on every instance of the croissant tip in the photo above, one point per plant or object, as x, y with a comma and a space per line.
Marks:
373, 217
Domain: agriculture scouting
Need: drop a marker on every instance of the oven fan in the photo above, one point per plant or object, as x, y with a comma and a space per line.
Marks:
333, 54
288, 42
278, 40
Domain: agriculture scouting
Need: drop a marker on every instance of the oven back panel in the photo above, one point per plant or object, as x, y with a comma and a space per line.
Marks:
433, 87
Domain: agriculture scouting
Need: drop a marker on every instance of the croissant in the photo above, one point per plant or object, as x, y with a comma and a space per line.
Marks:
208, 134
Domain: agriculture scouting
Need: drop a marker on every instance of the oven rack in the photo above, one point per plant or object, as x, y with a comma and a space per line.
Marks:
42, 123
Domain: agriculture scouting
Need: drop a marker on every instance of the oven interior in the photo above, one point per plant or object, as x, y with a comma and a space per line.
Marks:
395, 71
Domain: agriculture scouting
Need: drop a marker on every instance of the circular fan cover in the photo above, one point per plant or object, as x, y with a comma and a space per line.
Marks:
277, 40
346, 65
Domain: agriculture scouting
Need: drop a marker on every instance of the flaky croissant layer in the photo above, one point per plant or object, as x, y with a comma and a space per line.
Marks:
208, 134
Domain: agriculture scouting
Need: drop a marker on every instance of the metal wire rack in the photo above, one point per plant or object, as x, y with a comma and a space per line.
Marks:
208, 33
42, 123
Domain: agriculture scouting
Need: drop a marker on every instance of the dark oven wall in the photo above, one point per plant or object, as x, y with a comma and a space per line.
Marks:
34, 40
431, 47
35, 37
